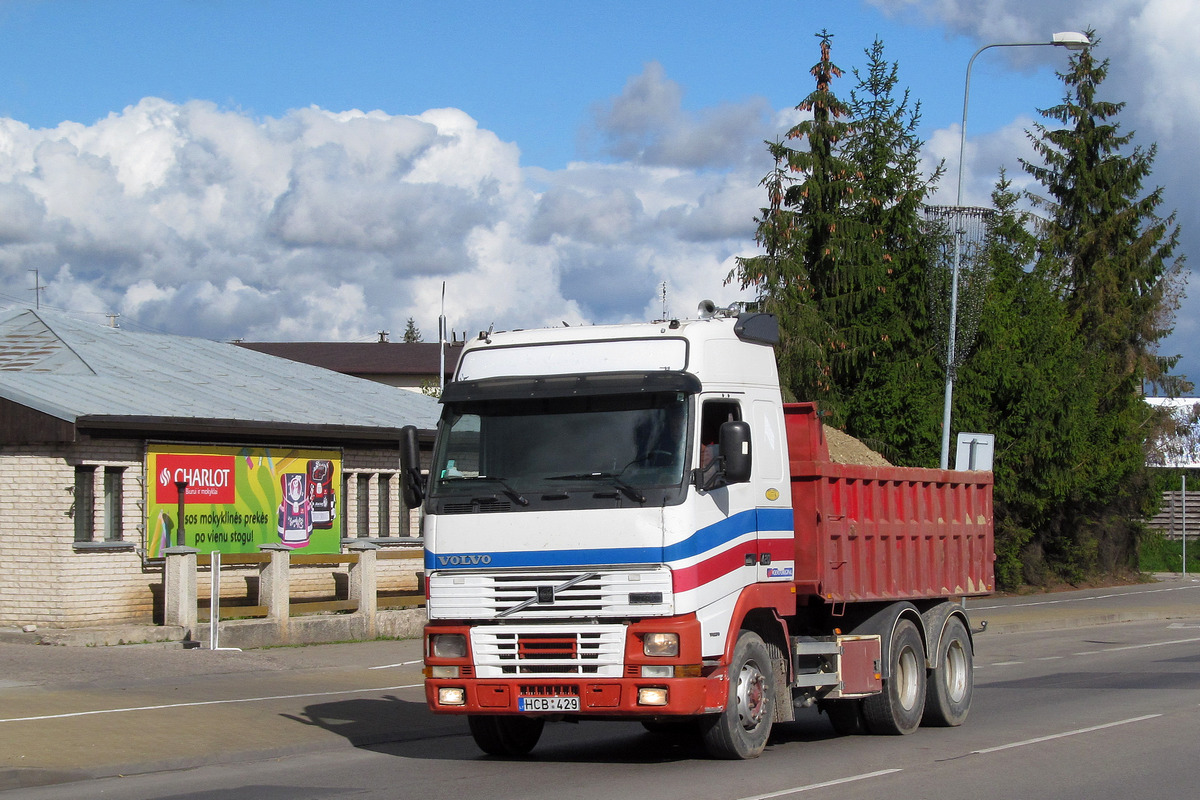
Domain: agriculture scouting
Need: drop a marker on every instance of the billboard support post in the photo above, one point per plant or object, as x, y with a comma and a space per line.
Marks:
181, 487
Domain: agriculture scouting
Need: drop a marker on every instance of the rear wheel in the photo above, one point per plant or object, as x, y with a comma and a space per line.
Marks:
898, 708
742, 729
952, 683
846, 717
505, 736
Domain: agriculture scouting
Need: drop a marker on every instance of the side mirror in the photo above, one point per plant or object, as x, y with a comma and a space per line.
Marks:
733, 461
410, 467
736, 451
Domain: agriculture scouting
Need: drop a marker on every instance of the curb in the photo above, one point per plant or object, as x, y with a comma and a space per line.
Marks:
1077, 621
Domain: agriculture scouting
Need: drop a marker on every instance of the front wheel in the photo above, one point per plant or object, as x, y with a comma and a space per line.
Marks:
952, 683
742, 729
898, 708
505, 736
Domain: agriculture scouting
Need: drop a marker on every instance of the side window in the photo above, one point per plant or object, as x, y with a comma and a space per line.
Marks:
85, 503
713, 414
114, 499
99, 506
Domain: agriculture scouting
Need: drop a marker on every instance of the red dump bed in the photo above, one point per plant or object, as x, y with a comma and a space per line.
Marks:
884, 533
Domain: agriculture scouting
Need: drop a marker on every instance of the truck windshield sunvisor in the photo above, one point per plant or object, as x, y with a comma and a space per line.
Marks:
595, 384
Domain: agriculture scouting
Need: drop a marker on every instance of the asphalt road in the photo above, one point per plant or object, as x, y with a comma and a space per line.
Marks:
1084, 710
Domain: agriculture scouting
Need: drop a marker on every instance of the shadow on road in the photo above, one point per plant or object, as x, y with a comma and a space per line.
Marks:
397, 727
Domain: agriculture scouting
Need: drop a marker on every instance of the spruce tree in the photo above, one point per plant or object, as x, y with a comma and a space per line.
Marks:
807, 192
411, 332
844, 264
1019, 383
1113, 258
889, 372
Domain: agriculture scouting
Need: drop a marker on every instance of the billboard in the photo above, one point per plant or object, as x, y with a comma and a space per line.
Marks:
238, 498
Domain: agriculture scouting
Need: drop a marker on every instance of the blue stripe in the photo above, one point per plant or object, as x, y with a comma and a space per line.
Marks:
703, 540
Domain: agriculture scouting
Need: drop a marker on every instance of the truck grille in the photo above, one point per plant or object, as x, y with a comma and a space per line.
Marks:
463, 594
548, 651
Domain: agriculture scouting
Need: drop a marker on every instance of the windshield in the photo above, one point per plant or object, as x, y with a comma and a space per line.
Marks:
526, 449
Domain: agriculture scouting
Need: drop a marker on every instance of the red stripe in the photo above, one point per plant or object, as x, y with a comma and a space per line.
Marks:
723, 563
780, 549
710, 569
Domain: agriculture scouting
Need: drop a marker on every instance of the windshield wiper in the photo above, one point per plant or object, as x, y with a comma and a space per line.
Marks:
512, 493
628, 490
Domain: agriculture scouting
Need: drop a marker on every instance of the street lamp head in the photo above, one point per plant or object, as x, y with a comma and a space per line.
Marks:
1072, 40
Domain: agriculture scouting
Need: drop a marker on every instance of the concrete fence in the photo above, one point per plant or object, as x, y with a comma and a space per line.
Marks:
279, 618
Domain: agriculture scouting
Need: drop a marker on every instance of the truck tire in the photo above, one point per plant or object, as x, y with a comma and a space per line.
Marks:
948, 696
846, 717
742, 729
897, 710
505, 736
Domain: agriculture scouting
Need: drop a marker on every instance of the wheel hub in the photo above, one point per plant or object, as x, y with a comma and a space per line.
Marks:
751, 696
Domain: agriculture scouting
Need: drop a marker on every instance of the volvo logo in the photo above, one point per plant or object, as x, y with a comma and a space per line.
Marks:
468, 560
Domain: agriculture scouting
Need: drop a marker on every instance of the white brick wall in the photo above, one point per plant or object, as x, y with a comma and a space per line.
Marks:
47, 581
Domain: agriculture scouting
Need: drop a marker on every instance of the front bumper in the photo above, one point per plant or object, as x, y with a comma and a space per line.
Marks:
597, 698
605, 666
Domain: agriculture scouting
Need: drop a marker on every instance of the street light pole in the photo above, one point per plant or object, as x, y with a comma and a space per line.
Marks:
1070, 40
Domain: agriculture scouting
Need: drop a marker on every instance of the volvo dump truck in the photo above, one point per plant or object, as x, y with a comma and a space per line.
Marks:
628, 523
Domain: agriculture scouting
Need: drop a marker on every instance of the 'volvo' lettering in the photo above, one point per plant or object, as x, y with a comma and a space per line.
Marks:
466, 560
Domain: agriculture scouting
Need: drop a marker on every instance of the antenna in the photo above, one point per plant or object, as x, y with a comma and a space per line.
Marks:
666, 314
442, 342
37, 289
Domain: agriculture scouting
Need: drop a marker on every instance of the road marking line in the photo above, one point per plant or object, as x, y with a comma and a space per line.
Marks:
209, 703
825, 784
1006, 663
1062, 735
1137, 646
1043, 658
401, 664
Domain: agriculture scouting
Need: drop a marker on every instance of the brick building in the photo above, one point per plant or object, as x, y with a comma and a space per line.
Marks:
87, 412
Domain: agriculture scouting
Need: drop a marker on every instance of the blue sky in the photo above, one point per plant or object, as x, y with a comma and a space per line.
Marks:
530, 71
317, 170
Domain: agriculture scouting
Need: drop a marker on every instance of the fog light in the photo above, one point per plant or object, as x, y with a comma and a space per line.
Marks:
658, 671
452, 696
443, 672
652, 696
661, 644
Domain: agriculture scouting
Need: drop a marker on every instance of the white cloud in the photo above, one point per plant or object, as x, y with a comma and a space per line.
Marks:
337, 224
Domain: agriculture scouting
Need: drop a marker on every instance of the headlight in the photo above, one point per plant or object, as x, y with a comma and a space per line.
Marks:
661, 644
448, 645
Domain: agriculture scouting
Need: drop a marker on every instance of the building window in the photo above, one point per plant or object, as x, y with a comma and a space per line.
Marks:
85, 503
114, 499
364, 504
385, 505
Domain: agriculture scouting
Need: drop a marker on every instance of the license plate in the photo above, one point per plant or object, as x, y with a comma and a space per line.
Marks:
547, 703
